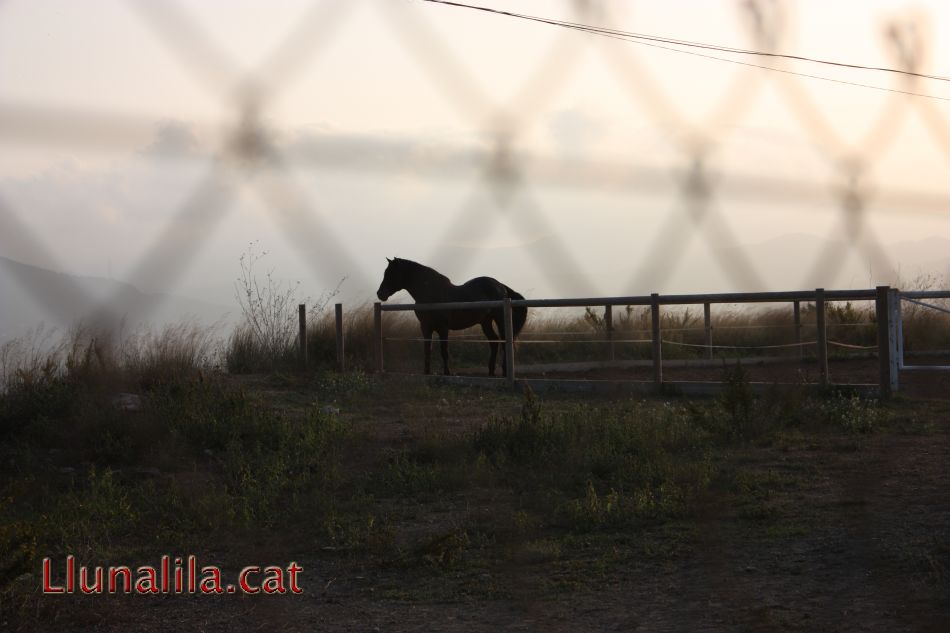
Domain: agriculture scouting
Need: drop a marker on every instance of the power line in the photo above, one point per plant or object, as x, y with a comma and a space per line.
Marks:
669, 40
652, 41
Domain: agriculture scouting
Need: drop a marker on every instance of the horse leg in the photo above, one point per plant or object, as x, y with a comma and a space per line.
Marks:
492, 345
427, 349
444, 347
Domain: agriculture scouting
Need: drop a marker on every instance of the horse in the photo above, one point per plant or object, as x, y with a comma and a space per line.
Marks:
427, 285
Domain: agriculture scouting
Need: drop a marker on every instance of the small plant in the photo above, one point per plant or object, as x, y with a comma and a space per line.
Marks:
738, 404
358, 532
851, 413
525, 440
594, 510
444, 550
90, 516
338, 385
405, 475
17, 550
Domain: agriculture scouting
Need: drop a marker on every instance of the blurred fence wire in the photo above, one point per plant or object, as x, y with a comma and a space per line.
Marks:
252, 157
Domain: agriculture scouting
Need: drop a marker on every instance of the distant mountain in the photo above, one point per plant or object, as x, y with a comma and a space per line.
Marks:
30, 295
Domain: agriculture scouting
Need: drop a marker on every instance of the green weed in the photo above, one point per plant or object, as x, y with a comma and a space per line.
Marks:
852, 414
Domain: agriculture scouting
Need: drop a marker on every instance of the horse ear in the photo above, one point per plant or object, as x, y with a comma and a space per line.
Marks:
389, 260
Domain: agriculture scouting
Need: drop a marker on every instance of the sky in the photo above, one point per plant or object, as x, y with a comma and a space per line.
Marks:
152, 143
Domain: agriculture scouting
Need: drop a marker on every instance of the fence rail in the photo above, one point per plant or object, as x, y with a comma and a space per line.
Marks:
645, 300
887, 321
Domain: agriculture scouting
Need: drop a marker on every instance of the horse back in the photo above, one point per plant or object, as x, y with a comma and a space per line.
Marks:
478, 289
482, 289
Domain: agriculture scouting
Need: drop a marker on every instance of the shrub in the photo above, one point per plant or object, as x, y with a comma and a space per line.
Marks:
851, 413
266, 339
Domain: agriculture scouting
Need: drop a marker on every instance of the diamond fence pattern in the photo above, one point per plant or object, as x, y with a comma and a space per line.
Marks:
252, 157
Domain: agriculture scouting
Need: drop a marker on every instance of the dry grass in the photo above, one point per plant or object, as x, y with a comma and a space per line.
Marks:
84, 356
149, 356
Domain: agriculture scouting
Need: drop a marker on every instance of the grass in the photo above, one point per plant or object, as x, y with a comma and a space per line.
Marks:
431, 487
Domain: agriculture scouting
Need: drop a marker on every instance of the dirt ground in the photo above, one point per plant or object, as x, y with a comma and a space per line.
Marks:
851, 534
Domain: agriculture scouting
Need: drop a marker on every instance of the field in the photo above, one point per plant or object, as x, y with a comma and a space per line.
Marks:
421, 506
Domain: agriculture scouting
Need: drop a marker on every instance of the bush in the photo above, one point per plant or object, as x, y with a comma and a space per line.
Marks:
266, 339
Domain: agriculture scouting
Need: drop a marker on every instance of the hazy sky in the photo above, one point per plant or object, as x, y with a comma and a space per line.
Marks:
384, 120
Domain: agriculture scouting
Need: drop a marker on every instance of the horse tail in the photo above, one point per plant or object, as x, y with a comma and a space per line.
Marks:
519, 314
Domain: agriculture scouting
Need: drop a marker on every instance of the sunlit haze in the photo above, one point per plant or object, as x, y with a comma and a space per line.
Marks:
555, 160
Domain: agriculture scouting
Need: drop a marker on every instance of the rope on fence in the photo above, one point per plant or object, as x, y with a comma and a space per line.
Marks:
850, 346
599, 340
802, 344
638, 340
522, 341
687, 329
523, 336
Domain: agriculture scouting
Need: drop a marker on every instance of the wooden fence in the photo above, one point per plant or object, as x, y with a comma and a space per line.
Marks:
887, 306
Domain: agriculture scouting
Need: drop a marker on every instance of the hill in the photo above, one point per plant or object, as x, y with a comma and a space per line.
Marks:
34, 296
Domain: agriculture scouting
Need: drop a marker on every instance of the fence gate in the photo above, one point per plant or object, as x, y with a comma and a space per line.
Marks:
924, 299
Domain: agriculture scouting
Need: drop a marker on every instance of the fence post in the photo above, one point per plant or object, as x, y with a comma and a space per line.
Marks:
707, 324
609, 326
893, 336
657, 342
340, 358
378, 335
884, 339
822, 337
509, 343
899, 327
797, 319
302, 316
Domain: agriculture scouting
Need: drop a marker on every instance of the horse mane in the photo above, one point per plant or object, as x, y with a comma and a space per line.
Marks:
421, 268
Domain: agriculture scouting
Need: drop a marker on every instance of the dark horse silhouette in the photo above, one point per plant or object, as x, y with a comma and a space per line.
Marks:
429, 286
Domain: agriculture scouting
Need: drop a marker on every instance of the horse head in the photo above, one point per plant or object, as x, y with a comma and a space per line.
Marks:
393, 280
